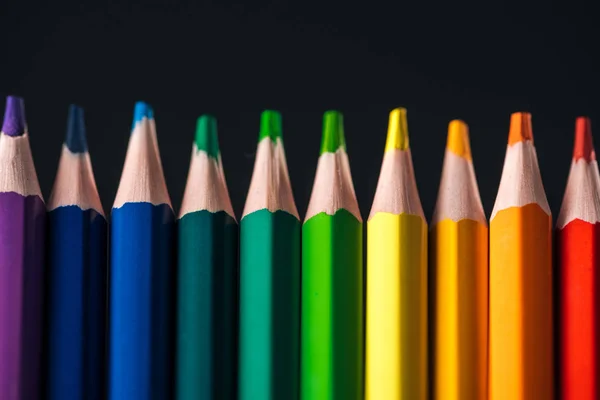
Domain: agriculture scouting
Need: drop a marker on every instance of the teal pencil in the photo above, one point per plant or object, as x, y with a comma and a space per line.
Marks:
207, 276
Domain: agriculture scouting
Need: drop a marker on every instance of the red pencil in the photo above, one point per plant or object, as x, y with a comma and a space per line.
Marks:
578, 238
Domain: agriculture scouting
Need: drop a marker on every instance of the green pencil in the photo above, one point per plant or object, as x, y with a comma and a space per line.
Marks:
269, 275
207, 276
332, 277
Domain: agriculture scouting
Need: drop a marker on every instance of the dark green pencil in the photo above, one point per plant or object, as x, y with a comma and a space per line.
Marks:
269, 275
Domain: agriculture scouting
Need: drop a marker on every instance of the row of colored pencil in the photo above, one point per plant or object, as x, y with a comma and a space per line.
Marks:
290, 323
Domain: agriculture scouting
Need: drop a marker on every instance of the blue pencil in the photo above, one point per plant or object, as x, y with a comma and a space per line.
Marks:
141, 272
76, 274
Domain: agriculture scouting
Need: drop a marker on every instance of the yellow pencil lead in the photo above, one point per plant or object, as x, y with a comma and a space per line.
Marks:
397, 137
458, 139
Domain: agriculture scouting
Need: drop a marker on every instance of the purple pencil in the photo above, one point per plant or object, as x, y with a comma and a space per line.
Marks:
22, 224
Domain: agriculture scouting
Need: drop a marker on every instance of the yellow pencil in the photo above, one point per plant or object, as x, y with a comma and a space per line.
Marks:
459, 276
396, 345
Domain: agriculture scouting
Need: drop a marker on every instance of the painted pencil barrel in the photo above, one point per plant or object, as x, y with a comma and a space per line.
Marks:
207, 306
459, 259
22, 231
269, 305
140, 302
396, 343
332, 307
578, 261
521, 346
77, 277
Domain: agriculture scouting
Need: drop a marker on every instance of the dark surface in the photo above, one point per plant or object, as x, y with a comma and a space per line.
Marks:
441, 62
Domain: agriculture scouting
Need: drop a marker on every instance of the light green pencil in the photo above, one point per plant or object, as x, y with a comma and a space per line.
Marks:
269, 275
332, 277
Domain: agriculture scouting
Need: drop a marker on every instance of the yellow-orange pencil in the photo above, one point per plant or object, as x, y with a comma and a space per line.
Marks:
459, 276
396, 343
521, 339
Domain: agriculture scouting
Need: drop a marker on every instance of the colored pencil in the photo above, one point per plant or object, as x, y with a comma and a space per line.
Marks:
332, 277
520, 337
141, 271
22, 248
77, 274
459, 276
207, 276
578, 247
269, 275
396, 356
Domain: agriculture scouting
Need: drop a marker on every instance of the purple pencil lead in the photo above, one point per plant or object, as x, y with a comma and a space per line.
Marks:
14, 117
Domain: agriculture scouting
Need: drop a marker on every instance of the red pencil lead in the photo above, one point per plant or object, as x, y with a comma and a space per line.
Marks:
583, 147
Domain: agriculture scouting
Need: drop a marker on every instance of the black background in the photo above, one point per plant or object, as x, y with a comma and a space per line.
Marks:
475, 62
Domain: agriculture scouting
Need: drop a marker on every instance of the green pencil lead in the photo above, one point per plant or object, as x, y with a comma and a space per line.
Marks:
206, 135
333, 132
270, 125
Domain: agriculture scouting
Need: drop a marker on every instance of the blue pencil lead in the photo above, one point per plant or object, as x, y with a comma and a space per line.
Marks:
76, 138
142, 110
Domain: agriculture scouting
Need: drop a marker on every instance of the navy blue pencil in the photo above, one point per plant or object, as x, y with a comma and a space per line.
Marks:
77, 274
141, 272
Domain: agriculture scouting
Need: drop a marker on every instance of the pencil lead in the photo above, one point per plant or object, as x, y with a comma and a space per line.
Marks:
14, 117
583, 147
270, 125
76, 138
397, 136
520, 128
458, 139
206, 135
142, 110
333, 132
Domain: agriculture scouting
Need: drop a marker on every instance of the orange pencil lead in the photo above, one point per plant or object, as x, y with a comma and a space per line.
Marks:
583, 147
520, 128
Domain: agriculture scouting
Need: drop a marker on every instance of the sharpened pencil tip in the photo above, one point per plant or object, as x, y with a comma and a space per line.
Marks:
206, 135
142, 110
14, 117
270, 125
520, 128
397, 137
333, 132
584, 147
76, 138
458, 139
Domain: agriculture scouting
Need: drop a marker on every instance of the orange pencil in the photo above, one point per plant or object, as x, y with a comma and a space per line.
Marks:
578, 247
520, 334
